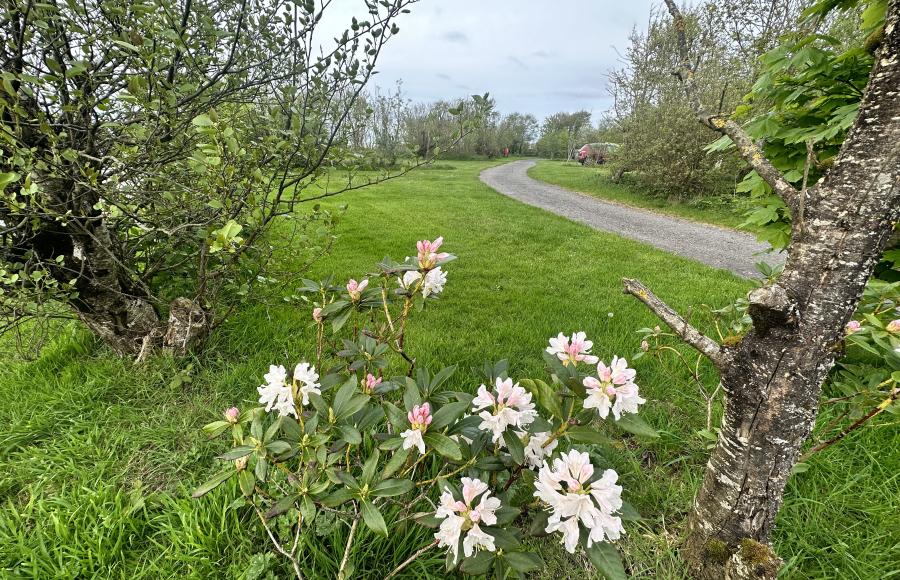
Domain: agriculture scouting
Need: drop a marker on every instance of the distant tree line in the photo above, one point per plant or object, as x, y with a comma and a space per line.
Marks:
386, 127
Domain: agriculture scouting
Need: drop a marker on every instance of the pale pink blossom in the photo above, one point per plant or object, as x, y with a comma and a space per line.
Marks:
614, 389
574, 499
574, 350
355, 289
317, 314
893, 326
509, 406
370, 382
617, 372
428, 256
419, 419
232, 414
853, 326
464, 516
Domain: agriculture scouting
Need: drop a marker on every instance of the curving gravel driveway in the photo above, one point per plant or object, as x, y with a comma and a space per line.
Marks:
715, 246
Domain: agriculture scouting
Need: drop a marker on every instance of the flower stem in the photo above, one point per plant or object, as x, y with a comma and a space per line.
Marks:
893, 396
463, 467
410, 560
341, 571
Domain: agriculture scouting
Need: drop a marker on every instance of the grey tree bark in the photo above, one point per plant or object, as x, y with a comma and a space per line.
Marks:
772, 379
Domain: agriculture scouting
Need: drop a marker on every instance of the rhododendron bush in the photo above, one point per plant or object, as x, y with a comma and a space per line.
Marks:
339, 435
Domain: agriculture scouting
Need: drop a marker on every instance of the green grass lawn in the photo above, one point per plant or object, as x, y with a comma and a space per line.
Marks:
595, 181
98, 456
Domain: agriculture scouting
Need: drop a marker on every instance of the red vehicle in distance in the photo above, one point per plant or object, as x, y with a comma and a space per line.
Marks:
596, 153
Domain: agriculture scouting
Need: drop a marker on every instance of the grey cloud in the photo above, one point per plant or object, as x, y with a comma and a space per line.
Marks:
586, 93
517, 61
443, 76
455, 36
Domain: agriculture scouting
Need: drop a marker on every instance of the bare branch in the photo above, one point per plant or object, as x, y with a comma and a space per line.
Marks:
682, 328
749, 151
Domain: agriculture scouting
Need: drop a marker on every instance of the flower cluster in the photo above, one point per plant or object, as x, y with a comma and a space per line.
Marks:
431, 283
576, 496
419, 420
572, 351
613, 389
278, 395
509, 406
464, 517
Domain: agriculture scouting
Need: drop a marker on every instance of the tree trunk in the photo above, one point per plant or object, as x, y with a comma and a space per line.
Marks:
772, 379
109, 300
111, 305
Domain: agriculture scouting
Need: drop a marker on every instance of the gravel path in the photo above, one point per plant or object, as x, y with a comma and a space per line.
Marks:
715, 246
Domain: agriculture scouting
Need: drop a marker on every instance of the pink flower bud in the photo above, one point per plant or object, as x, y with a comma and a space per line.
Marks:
853, 326
893, 326
645, 346
232, 415
428, 254
420, 417
317, 314
370, 382
355, 289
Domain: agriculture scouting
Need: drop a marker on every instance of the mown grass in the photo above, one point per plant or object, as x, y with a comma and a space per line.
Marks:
596, 181
98, 456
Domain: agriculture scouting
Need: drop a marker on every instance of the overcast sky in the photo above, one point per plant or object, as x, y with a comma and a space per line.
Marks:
533, 56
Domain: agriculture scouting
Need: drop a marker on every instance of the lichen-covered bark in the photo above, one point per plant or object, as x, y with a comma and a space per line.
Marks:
773, 377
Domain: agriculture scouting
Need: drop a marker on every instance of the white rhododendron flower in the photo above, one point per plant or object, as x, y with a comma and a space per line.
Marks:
308, 378
434, 282
509, 405
613, 389
275, 394
409, 279
278, 395
574, 499
573, 351
419, 419
462, 517
277, 375
536, 451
